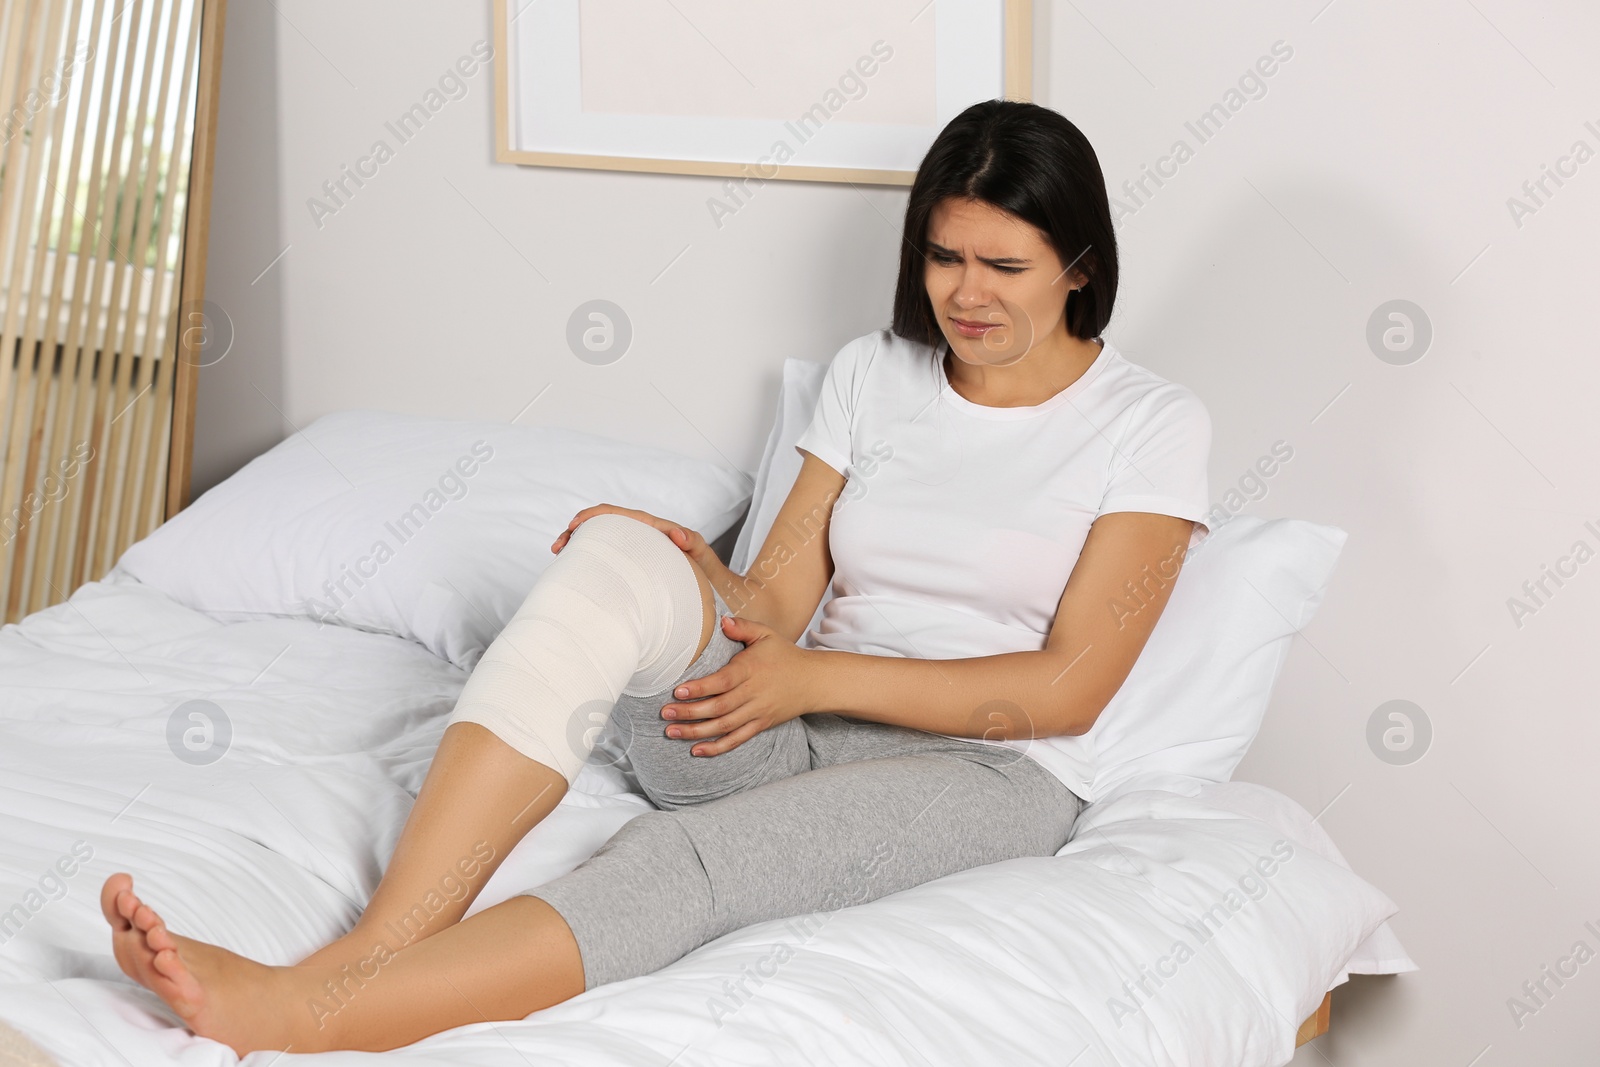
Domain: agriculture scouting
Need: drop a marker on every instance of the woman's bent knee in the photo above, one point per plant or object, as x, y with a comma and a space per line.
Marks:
620, 611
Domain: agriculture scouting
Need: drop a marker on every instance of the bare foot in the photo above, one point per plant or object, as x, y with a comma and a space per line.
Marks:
134, 956
217, 993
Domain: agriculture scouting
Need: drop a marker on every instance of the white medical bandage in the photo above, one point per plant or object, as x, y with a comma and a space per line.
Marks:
618, 611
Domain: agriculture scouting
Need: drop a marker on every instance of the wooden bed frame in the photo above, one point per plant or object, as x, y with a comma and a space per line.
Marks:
1317, 1024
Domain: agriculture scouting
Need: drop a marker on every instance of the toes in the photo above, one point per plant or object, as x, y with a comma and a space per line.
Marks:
145, 918
183, 996
170, 964
128, 903
111, 895
159, 938
113, 888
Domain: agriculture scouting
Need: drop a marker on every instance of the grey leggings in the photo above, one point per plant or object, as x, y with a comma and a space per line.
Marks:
819, 813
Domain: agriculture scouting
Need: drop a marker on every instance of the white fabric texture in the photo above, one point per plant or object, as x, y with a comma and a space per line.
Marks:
272, 849
425, 528
619, 611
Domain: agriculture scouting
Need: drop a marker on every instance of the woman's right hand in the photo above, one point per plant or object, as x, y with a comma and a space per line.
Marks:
689, 541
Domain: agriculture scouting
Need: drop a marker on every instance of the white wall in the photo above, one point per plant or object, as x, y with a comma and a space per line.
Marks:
1376, 166
237, 409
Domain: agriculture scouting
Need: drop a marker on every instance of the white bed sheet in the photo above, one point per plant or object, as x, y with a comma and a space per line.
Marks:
271, 850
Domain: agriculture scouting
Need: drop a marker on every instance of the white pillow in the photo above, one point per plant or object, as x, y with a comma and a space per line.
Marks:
1228, 905
425, 528
1195, 698
1381, 952
780, 465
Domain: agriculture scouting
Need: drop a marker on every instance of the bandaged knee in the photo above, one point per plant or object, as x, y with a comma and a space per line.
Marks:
618, 611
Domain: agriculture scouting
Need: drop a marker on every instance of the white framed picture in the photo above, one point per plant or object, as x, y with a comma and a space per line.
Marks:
825, 90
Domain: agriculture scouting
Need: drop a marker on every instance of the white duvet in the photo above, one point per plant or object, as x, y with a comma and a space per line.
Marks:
1173, 929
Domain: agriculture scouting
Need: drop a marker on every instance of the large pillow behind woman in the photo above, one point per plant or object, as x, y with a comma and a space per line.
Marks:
425, 528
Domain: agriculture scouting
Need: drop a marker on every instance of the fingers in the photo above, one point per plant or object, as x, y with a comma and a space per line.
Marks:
688, 541
747, 631
703, 728
704, 708
684, 538
729, 741
717, 682
584, 516
691, 542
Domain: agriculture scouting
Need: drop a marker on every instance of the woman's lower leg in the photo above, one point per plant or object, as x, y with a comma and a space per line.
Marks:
503, 963
479, 799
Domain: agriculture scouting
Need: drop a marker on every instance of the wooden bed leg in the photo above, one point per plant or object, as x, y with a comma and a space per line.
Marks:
1317, 1024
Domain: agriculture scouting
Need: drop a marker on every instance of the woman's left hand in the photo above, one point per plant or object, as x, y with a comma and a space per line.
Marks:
762, 686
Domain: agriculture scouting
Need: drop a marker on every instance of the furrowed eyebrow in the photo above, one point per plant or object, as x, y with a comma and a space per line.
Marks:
1002, 261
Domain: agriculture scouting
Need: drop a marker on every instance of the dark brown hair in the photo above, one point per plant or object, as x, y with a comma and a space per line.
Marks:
1033, 163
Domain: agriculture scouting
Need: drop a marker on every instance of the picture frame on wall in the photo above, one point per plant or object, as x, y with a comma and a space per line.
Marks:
826, 90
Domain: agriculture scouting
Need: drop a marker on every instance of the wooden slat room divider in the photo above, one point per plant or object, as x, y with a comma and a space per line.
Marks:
107, 117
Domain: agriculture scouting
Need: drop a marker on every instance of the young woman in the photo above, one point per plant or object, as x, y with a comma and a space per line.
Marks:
1002, 503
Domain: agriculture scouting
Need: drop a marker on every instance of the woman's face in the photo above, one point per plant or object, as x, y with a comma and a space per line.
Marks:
996, 271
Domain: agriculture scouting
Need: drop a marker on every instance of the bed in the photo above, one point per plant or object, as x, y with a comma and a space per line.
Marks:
251, 759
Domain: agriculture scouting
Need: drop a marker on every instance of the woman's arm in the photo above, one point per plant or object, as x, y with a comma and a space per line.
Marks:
786, 579
1117, 591
1099, 630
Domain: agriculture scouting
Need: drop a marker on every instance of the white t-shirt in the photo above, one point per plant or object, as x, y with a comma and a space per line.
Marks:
959, 523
